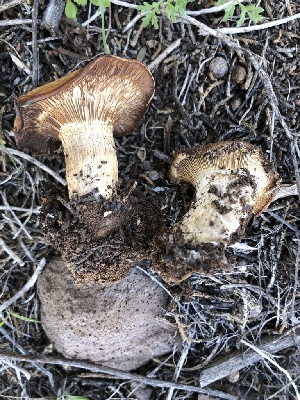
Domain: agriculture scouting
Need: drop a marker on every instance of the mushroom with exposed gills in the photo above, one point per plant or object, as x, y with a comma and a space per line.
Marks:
233, 181
84, 110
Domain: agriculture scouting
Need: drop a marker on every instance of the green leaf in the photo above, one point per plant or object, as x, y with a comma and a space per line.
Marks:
7, 152
229, 11
146, 20
71, 10
81, 2
67, 396
144, 7
255, 8
171, 11
154, 21
254, 13
23, 318
242, 18
4, 321
255, 17
156, 6
101, 3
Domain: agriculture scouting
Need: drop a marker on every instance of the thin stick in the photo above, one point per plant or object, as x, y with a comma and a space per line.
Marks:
164, 54
15, 22
259, 27
35, 58
195, 13
11, 253
211, 10
26, 287
124, 4
20, 349
37, 163
128, 376
92, 18
25, 211
270, 359
285, 191
11, 4
284, 222
133, 21
238, 360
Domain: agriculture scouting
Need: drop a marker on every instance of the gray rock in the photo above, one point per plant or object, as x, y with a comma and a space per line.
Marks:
119, 325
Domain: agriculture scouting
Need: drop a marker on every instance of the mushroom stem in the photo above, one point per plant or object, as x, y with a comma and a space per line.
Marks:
91, 159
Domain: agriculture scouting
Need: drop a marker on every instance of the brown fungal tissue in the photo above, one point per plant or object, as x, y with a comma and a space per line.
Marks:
233, 181
84, 110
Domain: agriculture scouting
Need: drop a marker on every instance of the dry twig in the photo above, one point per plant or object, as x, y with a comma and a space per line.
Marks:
128, 376
258, 27
11, 253
11, 4
12, 22
164, 54
26, 287
237, 361
37, 163
266, 356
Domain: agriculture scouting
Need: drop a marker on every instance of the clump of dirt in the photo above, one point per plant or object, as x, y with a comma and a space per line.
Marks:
99, 240
176, 260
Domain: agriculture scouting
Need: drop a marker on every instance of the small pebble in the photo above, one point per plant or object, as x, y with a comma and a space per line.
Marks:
218, 67
238, 75
235, 103
153, 175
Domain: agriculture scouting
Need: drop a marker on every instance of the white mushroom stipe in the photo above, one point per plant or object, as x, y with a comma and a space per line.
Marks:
90, 167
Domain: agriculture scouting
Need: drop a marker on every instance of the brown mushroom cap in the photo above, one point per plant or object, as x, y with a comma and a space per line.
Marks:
193, 164
108, 88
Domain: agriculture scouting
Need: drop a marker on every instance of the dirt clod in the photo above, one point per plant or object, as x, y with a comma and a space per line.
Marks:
119, 325
99, 240
238, 74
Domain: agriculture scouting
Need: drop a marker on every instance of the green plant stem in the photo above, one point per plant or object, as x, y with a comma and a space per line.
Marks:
9, 155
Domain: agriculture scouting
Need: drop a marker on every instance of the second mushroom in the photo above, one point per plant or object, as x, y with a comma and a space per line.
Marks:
233, 181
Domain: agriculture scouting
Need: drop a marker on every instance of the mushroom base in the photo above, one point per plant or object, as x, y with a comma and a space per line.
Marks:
223, 207
178, 260
99, 241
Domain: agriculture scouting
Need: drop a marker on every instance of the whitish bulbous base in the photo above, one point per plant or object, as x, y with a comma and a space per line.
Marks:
223, 206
